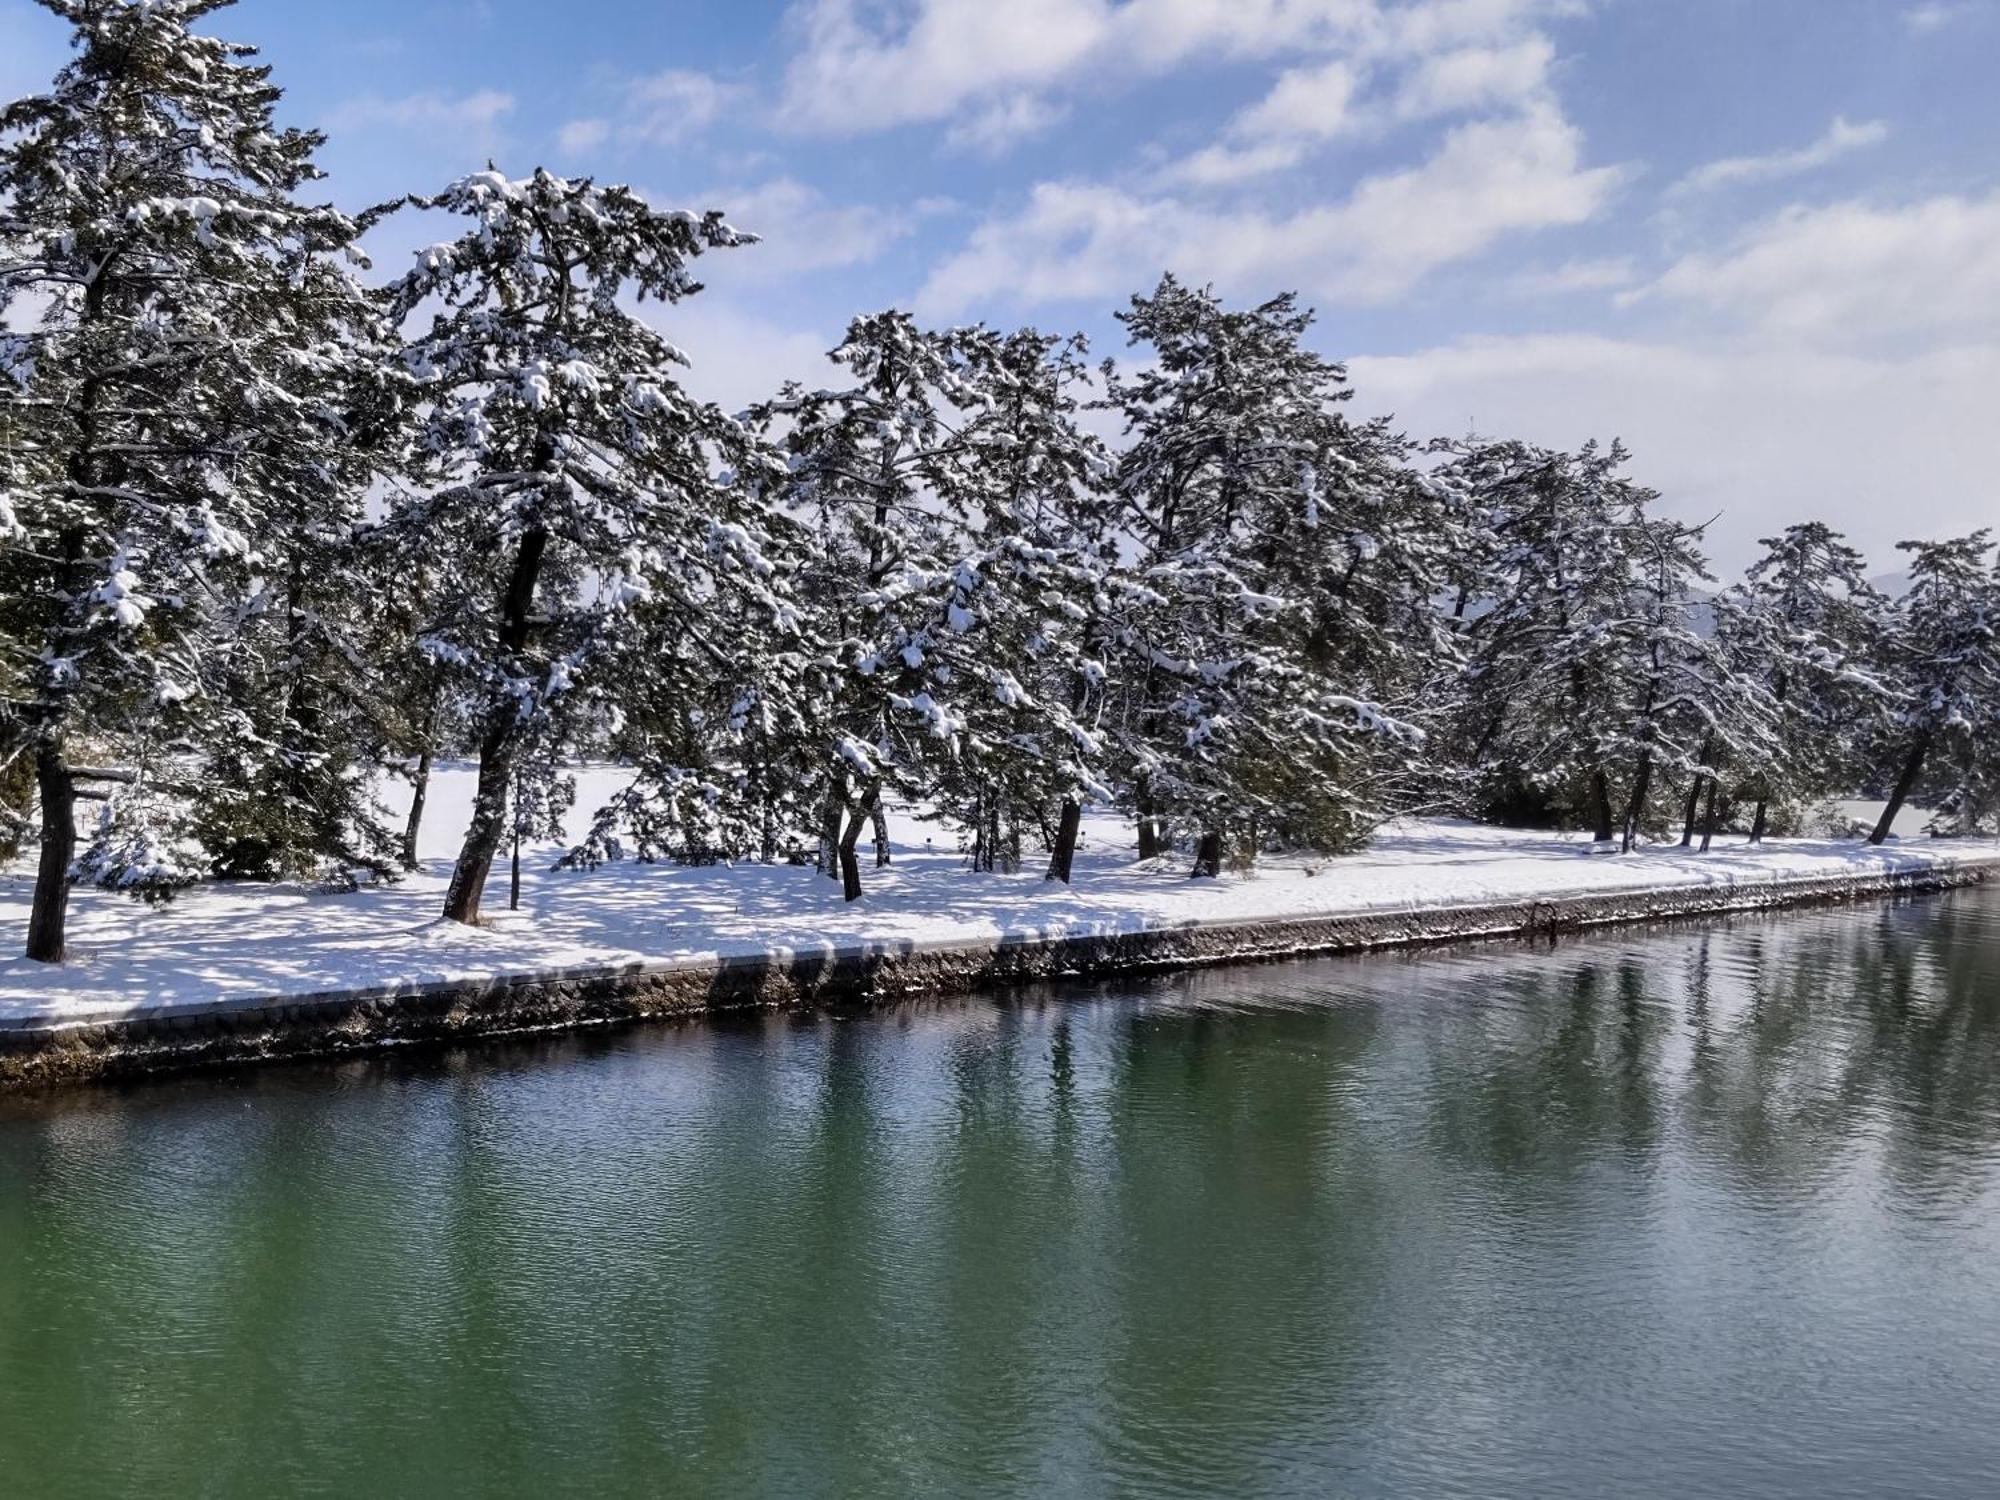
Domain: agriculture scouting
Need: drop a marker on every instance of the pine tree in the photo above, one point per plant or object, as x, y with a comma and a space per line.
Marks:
1544, 694
1287, 609
569, 471
147, 201
881, 477
1686, 711
1943, 658
1041, 565
1801, 629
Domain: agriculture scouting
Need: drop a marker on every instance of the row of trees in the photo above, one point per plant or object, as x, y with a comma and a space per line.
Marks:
269, 530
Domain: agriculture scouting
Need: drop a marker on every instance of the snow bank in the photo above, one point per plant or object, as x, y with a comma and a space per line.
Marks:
226, 945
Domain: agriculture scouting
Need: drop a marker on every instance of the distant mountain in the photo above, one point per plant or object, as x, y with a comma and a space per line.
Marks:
1895, 585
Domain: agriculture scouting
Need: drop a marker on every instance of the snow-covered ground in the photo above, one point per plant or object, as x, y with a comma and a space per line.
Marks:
248, 941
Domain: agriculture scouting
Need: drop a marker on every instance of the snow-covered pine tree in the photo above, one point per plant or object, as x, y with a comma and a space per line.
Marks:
570, 472
163, 284
1041, 562
881, 482
1286, 606
1685, 710
714, 707
303, 677
1942, 658
1801, 629
1544, 691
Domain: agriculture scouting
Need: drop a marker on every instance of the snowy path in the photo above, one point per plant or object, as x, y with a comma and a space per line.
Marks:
245, 942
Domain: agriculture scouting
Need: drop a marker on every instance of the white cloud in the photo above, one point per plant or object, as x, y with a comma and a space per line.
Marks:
1925, 19
736, 356
1842, 138
1489, 179
801, 231
1000, 124
1305, 105
1476, 78
579, 136
1323, 101
862, 68
657, 110
1762, 436
469, 118
1854, 272
1608, 273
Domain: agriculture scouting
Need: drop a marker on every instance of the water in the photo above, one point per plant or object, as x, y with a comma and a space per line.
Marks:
1698, 1211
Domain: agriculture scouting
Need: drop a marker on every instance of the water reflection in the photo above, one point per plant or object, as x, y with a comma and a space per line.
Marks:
1702, 1210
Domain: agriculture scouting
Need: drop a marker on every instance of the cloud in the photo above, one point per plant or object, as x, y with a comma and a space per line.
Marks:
656, 110
1853, 272
1760, 436
475, 117
1305, 105
1476, 78
1323, 101
736, 356
1000, 124
802, 231
1842, 138
861, 68
579, 136
1086, 241
1925, 19
1609, 273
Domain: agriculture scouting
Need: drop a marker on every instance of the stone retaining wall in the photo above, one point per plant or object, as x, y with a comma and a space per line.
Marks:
160, 1037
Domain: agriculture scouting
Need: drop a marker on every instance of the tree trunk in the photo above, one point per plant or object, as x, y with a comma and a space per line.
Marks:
1708, 817
1208, 856
1761, 822
1064, 854
420, 789
514, 876
1635, 810
489, 817
1600, 798
850, 866
497, 746
1904, 783
1150, 844
1693, 809
880, 819
829, 840
47, 921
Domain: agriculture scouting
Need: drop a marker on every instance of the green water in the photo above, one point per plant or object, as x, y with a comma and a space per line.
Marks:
1697, 1212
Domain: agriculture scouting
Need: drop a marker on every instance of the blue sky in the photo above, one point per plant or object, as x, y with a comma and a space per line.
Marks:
1758, 239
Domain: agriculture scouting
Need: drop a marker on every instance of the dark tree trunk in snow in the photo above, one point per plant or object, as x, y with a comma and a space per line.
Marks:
497, 746
880, 819
1761, 822
1708, 817
850, 866
1208, 856
1635, 810
1694, 795
1600, 801
514, 874
420, 790
1693, 809
49, 918
829, 840
1149, 827
1063, 855
1904, 784
489, 818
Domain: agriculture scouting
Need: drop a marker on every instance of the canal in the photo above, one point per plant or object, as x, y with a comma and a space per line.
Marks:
1700, 1210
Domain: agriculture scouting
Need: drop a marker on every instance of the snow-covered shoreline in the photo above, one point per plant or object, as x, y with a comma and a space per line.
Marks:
237, 951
